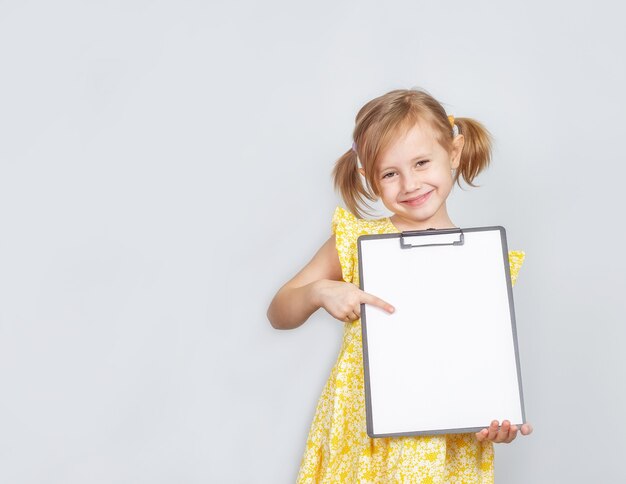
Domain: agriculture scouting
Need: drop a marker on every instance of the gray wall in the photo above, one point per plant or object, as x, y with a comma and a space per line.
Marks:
165, 167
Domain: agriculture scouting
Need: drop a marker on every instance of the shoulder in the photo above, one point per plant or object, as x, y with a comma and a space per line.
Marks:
346, 223
347, 228
516, 259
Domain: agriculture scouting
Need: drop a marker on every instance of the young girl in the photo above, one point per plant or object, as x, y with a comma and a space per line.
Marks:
408, 153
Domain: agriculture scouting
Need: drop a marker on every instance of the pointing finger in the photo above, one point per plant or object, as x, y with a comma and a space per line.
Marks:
376, 301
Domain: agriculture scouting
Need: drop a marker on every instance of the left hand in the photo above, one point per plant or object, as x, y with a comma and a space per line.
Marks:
504, 434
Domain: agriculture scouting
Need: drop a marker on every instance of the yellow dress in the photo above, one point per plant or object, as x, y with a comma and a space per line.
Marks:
338, 449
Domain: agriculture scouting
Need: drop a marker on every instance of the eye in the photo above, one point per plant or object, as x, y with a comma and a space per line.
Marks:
389, 174
422, 163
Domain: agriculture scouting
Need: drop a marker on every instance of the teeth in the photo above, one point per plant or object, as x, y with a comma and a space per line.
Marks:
421, 197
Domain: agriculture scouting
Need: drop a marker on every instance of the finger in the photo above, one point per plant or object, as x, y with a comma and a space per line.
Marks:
351, 316
503, 433
512, 434
493, 430
527, 429
482, 435
376, 301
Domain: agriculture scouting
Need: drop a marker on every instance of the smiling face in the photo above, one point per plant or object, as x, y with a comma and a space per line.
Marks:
414, 178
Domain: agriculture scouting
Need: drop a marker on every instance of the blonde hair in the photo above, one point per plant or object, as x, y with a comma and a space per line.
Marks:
381, 120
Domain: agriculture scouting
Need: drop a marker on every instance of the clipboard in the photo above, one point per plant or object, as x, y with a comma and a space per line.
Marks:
447, 359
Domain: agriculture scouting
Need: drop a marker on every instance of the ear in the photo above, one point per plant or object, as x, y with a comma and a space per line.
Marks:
457, 148
362, 171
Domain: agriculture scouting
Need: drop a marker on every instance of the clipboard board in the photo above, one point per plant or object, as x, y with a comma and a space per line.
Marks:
447, 360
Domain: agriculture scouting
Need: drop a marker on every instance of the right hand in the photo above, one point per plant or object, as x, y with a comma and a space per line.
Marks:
342, 300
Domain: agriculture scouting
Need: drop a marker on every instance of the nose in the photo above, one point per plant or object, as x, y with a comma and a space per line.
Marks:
411, 182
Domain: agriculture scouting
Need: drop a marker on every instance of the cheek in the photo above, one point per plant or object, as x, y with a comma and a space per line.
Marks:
386, 192
444, 178
446, 185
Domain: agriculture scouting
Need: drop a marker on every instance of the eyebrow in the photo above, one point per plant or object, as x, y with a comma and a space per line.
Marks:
417, 158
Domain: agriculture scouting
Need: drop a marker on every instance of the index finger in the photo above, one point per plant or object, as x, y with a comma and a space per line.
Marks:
376, 301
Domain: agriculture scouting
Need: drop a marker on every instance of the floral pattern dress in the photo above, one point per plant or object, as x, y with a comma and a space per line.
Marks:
338, 449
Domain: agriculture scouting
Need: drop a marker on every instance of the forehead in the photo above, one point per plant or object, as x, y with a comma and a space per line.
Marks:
406, 144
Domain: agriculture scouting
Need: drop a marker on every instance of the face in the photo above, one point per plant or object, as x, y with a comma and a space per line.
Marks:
415, 178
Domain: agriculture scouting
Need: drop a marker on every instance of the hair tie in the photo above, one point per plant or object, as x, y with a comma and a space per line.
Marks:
455, 128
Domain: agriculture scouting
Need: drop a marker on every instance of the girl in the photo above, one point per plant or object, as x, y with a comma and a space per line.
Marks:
408, 153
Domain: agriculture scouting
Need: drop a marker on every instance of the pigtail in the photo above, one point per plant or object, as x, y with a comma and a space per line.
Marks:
348, 182
476, 153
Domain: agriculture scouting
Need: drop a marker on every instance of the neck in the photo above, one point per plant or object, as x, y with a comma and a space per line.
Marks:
405, 224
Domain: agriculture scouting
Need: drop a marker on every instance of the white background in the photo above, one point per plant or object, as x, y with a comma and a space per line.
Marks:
165, 167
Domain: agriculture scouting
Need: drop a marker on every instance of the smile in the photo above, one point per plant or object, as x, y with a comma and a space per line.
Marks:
417, 201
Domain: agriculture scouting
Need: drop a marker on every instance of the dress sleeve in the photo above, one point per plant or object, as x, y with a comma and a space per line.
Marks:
516, 259
344, 226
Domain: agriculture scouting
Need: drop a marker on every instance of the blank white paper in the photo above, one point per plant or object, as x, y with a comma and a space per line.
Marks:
445, 360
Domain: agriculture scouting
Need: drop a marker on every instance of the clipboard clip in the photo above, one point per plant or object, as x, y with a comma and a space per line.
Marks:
431, 237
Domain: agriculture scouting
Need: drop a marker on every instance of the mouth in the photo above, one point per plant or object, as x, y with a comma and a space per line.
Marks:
416, 201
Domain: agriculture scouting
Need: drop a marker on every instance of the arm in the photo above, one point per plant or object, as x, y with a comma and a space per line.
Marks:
297, 299
319, 284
